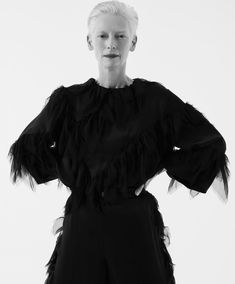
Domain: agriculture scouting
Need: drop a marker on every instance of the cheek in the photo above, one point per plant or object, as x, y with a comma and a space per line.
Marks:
99, 46
125, 45
125, 48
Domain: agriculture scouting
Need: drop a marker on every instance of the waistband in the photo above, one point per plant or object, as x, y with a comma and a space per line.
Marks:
74, 201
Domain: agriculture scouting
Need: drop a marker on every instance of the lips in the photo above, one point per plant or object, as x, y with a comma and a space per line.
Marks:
111, 55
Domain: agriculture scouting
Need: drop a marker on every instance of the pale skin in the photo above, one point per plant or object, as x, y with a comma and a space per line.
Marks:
112, 34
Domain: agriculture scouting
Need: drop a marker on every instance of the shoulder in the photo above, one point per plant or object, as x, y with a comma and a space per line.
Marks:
79, 87
150, 85
163, 97
66, 93
57, 96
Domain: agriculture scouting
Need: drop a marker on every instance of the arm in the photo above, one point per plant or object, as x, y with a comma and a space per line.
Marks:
197, 156
32, 155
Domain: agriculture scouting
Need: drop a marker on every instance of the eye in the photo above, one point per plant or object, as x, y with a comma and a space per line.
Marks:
102, 36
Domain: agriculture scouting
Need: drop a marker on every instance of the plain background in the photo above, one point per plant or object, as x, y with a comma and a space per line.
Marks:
186, 45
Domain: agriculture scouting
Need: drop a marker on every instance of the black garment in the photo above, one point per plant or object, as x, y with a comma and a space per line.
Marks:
103, 144
124, 244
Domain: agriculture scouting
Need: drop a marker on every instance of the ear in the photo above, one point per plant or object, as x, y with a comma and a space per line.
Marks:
133, 43
89, 42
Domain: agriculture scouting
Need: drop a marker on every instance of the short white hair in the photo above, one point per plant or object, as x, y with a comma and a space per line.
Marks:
115, 8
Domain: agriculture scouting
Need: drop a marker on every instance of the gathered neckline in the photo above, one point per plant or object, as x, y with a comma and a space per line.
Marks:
127, 87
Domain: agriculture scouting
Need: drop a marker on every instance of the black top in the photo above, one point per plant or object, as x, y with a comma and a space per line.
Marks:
113, 140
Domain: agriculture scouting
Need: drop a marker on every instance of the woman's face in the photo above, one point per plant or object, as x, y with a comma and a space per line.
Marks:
111, 34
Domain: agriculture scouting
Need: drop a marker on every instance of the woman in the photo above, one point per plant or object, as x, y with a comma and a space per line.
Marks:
105, 139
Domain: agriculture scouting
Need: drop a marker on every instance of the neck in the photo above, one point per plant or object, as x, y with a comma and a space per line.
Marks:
113, 79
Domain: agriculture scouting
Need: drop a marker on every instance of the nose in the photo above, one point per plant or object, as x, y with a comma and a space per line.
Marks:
111, 44
111, 47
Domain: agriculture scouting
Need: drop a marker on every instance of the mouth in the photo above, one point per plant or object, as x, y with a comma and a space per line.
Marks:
111, 55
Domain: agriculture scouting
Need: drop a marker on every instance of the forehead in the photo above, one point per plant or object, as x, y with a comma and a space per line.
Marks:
109, 22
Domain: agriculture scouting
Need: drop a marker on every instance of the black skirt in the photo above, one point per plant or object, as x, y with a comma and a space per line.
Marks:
123, 244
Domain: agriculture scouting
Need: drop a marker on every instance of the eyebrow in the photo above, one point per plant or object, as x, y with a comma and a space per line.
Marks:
117, 31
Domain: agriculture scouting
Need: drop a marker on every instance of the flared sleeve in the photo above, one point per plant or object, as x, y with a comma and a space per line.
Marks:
33, 154
197, 157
